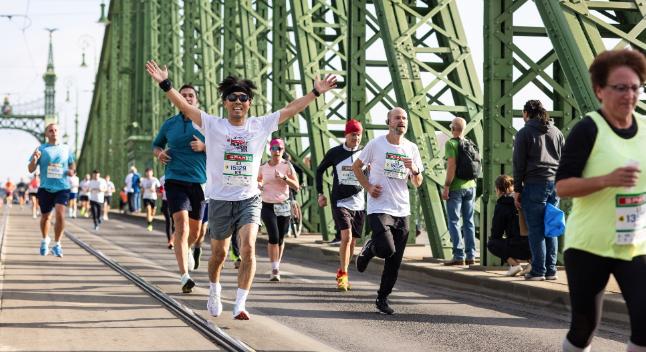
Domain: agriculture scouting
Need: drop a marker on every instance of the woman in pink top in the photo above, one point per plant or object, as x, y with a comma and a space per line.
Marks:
275, 179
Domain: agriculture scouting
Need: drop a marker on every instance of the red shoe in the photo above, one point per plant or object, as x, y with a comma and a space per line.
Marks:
243, 315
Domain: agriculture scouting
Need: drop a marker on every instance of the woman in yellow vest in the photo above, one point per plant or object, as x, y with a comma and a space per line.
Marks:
601, 170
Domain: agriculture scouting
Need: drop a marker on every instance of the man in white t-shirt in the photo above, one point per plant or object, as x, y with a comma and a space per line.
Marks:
234, 148
97, 187
393, 160
150, 185
74, 190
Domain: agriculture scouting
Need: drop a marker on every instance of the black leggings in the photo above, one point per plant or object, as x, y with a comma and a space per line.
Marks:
277, 226
168, 219
97, 212
587, 276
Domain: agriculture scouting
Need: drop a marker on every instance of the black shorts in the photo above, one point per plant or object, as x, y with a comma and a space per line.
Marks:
33, 194
349, 219
47, 200
84, 198
151, 202
185, 196
108, 200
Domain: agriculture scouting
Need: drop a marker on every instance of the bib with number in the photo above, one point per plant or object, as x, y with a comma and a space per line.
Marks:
394, 166
237, 169
630, 219
282, 209
347, 177
55, 170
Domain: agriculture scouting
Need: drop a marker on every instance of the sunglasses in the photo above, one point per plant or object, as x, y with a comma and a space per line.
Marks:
275, 148
243, 98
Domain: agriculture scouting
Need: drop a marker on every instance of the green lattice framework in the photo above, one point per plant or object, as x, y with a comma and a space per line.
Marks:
417, 58
578, 30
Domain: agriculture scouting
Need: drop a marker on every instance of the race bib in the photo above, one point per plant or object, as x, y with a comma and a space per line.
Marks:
347, 177
282, 209
631, 219
394, 166
237, 169
55, 170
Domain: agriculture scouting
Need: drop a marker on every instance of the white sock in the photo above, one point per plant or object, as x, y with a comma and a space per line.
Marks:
215, 286
184, 278
57, 243
47, 239
275, 265
569, 347
241, 298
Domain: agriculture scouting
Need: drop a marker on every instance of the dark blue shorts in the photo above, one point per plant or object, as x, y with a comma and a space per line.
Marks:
73, 195
184, 196
47, 200
205, 211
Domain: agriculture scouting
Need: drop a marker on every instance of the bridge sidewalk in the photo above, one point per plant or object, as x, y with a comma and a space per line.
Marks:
76, 303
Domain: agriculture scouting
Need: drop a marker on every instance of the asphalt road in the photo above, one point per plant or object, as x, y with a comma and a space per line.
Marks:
305, 312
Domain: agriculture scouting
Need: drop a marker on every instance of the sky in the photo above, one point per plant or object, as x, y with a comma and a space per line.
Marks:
22, 66
24, 61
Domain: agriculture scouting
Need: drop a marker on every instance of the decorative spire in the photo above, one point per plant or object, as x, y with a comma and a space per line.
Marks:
50, 82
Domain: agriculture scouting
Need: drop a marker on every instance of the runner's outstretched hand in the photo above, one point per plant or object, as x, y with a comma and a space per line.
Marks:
157, 73
326, 84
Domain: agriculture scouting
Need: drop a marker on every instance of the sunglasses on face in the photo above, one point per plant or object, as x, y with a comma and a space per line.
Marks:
241, 97
275, 149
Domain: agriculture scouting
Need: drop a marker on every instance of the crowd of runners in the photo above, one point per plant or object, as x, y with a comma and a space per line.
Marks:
215, 187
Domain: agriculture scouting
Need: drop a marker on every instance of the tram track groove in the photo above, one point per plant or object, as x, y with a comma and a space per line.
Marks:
186, 314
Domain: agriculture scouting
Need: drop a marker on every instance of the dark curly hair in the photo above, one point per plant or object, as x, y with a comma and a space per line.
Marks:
608, 60
233, 84
535, 110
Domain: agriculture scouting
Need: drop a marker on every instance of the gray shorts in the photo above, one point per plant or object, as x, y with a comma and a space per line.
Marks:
226, 217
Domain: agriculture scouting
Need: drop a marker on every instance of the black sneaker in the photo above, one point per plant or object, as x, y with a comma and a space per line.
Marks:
383, 307
197, 255
188, 286
364, 256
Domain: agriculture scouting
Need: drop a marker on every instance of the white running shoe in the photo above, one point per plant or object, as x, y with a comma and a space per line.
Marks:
191, 261
214, 304
526, 270
514, 270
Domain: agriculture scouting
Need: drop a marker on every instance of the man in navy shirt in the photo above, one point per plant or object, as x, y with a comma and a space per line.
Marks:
180, 147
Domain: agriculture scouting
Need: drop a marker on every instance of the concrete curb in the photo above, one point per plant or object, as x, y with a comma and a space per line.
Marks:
473, 280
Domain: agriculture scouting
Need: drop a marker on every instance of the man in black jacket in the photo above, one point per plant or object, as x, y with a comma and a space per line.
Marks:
348, 201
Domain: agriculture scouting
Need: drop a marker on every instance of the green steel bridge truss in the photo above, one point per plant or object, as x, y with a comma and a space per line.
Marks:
387, 53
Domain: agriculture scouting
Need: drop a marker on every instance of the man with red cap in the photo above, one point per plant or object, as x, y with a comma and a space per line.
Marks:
348, 199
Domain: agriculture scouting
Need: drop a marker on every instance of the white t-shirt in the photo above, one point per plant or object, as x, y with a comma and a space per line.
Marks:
74, 183
128, 182
388, 170
150, 186
97, 190
111, 188
234, 153
84, 187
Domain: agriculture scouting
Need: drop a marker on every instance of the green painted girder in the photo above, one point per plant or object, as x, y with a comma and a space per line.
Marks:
318, 55
203, 55
428, 92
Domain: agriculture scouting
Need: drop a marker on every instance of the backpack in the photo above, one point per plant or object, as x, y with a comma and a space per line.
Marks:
468, 162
